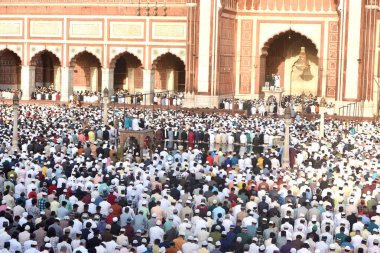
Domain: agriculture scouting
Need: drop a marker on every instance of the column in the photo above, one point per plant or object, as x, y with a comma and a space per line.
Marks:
261, 74
170, 79
148, 80
286, 159
126, 80
204, 52
57, 78
28, 79
15, 106
66, 83
369, 49
322, 122
176, 83
94, 78
131, 80
105, 109
285, 155
107, 79
190, 47
353, 28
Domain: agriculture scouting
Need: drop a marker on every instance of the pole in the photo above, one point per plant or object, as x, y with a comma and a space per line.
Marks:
105, 111
105, 106
286, 143
14, 148
113, 113
287, 121
290, 84
322, 122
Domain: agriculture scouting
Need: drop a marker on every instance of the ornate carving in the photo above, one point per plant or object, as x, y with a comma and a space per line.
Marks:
332, 60
245, 58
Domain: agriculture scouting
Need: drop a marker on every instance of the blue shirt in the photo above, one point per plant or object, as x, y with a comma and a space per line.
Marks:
216, 211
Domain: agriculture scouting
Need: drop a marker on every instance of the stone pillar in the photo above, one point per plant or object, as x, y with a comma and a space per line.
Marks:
57, 78
28, 79
176, 81
170, 79
126, 80
263, 62
285, 155
105, 110
94, 78
286, 159
131, 80
204, 53
15, 106
107, 79
190, 47
66, 83
322, 122
352, 11
368, 61
148, 85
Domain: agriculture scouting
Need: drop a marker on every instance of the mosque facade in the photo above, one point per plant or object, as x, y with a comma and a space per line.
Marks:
207, 49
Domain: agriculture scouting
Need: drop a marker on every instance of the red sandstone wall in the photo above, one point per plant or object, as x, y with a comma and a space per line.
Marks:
227, 55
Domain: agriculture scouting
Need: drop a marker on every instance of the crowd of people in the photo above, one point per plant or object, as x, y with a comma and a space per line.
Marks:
86, 96
122, 96
46, 93
299, 104
167, 99
70, 189
8, 93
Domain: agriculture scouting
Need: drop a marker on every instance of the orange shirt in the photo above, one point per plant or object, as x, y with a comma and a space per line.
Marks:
178, 242
117, 210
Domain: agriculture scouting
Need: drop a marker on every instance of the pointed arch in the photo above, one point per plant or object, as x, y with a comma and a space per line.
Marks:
38, 54
268, 38
46, 65
128, 74
10, 69
9, 51
175, 54
279, 55
170, 72
122, 54
75, 58
167, 54
287, 33
87, 71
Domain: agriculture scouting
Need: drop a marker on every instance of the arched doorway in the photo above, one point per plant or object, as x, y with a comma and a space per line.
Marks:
169, 73
47, 69
128, 73
293, 58
10, 70
87, 72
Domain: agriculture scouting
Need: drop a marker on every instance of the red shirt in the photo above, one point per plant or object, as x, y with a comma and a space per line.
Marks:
52, 188
111, 199
32, 195
210, 160
109, 219
191, 136
86, 199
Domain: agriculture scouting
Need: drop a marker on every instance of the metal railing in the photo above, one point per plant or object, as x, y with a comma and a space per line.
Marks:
352, 110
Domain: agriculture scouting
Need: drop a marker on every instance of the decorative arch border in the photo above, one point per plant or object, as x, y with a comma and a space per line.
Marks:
280, 28
113, 61
75, 57
177, 52
116, 51
56, 50
267, 44
39, 53
16, 49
